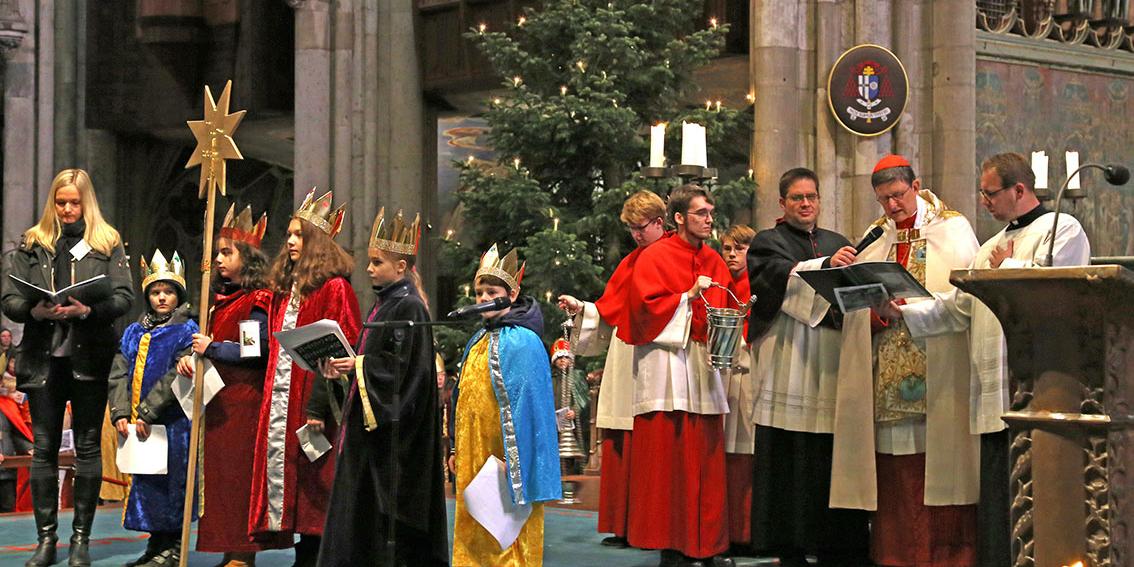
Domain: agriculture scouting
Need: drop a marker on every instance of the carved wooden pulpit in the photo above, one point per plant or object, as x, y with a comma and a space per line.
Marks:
1070, 338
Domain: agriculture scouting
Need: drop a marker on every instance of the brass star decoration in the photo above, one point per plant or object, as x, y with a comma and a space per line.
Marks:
214, 140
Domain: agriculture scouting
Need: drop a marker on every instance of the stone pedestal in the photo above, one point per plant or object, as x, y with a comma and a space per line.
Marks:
1070, 337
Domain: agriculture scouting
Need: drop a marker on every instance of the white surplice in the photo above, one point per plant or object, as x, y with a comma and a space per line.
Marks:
955, 311
797, 362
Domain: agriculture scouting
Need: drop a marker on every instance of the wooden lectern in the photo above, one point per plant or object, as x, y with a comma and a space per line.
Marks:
1070, 339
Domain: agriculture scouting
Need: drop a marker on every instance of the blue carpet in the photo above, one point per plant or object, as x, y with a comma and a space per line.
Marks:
570, 540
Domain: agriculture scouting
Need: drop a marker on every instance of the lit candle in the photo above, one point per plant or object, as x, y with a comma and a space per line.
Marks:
1072, 165
482, 27
1039, 167
563, 90
713, 23
547, 296
521, 21
708, 105
657, 145
466, 287
555, 224
693, 145
718, 106
516, 163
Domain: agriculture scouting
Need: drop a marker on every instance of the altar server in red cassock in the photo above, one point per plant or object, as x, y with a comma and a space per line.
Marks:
677, 465
740, 422
309, 277
597, 327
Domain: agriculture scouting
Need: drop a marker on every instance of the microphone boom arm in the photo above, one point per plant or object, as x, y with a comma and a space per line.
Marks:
1048, 260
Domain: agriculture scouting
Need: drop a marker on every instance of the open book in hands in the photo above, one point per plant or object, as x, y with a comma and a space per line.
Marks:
309, 344
87, 291
865, 278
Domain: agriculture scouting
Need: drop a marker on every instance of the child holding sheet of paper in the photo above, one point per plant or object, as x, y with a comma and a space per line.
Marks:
505, 413
142, 399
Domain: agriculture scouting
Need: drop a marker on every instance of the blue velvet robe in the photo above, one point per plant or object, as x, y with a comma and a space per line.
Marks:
156, 502
521, 378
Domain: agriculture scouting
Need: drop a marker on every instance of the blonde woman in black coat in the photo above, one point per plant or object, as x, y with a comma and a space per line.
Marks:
67, 349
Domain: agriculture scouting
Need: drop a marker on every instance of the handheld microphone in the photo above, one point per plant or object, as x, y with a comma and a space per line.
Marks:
874, 234
494, 305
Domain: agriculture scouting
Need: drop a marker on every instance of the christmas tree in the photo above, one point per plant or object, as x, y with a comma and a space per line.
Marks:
582, 82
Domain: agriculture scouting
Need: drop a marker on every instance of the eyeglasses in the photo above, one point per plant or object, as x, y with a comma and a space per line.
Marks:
703, 213
640, 227
895, 197
812, 197
988, 195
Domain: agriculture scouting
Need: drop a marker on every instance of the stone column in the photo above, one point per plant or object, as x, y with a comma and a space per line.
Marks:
834, 146
21, 198
313, 103
954, 104
775, 60
872, 25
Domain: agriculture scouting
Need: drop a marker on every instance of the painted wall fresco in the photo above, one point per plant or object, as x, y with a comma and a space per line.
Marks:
1025, 108
459, 138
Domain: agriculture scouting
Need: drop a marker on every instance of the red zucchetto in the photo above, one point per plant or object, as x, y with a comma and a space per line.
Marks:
892, 160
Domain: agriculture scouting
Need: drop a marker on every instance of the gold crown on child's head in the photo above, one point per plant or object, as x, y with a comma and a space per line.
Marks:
508, 268
160, 269
397, 236
240, 227
318, 212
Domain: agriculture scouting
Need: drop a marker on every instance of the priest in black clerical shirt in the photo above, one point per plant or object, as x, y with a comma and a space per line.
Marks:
795, 346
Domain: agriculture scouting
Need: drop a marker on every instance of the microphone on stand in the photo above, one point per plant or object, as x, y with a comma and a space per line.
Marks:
874, 234
1114, 174
494, 305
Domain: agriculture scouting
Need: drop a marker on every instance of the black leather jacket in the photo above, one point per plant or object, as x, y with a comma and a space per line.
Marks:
94, 339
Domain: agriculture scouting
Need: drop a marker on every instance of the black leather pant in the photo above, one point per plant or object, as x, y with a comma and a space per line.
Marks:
48, 406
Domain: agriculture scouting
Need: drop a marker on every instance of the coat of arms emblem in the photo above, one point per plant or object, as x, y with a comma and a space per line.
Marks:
867, 90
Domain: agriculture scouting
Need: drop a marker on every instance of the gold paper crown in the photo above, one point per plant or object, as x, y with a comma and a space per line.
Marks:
159, 269
401, 238
505, 268
318, 212
240, 227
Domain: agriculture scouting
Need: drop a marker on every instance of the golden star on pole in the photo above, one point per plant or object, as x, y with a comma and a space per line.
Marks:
214, 140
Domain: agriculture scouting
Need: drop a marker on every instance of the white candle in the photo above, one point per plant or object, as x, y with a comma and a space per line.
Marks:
1039, 167
657, 145
1072, 165
693, 145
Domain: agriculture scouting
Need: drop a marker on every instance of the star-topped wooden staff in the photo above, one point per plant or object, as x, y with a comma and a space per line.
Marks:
214, 146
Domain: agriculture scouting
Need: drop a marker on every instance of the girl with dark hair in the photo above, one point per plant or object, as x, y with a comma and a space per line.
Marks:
309, 278
239, 319
66, 351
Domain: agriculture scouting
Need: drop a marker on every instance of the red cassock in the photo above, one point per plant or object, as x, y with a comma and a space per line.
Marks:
614, 480
306, 485
740, 466
230, 434
677, 461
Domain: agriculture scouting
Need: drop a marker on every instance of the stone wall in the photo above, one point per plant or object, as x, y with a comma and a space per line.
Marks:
1025, 107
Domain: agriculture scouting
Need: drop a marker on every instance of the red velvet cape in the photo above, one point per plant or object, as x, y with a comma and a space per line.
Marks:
662, 273
307, 485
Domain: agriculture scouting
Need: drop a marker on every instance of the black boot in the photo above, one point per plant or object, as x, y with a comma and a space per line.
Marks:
169, 555
154, 546
45, 500
86, 500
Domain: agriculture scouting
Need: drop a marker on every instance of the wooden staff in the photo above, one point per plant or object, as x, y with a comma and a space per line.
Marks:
214, 146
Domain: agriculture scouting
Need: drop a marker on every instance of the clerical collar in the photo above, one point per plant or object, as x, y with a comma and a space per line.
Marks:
796, 229
1028, 217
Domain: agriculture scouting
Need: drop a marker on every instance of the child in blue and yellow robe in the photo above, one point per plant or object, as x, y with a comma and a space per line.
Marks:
141, 391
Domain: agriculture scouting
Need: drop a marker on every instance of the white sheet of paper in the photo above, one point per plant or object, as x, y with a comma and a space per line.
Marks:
314, 445
562, 422
490, 503
67, 441
183, 388
143, 457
